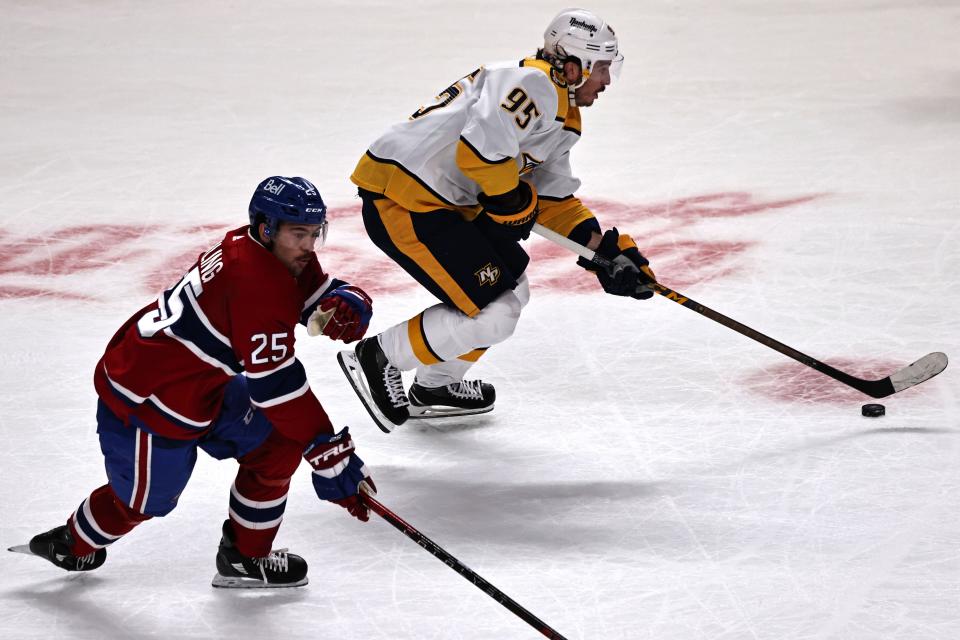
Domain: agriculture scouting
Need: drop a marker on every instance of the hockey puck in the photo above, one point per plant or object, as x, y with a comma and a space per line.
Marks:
872, 410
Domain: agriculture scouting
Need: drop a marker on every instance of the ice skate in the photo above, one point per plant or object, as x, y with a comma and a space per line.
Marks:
377, 383
55, 545
463, 398
237, 571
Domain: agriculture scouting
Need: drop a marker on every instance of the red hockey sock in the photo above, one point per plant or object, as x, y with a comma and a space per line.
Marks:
256, 510
101, 520
258, 497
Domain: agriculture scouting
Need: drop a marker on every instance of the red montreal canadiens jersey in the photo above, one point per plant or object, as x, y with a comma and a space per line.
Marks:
233, 313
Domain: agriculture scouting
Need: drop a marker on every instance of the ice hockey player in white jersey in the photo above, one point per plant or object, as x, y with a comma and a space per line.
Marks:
451, 192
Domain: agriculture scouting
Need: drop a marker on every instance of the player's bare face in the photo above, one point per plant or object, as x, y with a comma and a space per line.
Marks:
587, 93
295, 244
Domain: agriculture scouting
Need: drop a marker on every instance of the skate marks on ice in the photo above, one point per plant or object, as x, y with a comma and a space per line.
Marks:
451, 424
73, 605
463, 505
511, 515
72, 598
79, 263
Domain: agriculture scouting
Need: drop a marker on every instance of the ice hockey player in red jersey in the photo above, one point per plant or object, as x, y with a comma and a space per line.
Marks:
210, 364
450, 192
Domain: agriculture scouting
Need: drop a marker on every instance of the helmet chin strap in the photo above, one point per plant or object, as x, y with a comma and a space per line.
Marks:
572, 87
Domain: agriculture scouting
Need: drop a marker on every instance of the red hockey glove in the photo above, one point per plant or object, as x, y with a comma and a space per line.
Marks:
630, 273
338, 472
343, 314
355, 505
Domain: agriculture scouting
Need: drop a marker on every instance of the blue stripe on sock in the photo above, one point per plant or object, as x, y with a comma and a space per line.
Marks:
252, 514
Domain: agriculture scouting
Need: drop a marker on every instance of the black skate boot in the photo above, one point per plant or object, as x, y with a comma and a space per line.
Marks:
462, 398
237, 571
55, 545
377, 383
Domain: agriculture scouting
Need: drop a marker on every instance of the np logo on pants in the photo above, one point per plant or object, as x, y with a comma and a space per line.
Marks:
489, 274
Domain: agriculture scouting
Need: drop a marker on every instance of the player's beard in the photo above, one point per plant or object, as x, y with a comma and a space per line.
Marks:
585, 100
299, 264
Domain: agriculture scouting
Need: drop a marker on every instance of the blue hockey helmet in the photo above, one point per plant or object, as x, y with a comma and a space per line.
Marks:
278, 199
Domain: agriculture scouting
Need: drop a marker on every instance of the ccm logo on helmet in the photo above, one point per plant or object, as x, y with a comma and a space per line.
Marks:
314, 210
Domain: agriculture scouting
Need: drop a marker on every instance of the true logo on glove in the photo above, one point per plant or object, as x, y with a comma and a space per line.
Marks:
489, 274
329, 453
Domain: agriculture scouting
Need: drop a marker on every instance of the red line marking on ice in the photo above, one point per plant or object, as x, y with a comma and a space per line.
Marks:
31, 292
793, 382
717, 205
134, 259
660, 230
70, 250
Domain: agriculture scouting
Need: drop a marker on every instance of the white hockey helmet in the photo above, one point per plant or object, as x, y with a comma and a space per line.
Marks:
581, 34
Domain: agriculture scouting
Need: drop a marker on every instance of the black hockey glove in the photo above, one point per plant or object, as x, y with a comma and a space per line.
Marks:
630, 273
514, 211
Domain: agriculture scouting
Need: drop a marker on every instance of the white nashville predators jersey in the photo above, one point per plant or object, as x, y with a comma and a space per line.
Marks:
481, 134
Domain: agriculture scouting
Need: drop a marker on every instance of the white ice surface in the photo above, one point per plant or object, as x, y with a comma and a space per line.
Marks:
647, 473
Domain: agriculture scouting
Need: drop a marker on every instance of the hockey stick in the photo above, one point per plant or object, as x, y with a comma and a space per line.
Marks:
920, 371
408, 530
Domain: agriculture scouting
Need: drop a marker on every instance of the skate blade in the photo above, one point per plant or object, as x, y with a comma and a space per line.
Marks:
436, 411
351, 369
21, 548
230, 582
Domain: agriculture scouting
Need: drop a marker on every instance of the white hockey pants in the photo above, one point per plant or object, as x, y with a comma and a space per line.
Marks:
442, 342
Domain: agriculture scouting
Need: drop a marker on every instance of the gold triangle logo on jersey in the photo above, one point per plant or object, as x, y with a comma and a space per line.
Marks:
529, 163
